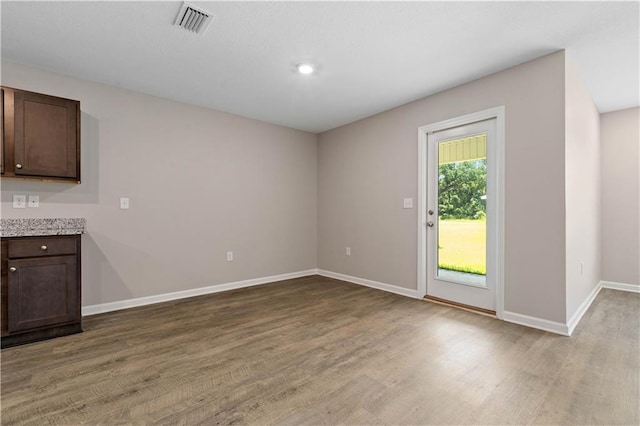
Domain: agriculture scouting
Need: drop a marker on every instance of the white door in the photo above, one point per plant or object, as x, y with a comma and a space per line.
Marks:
461, 215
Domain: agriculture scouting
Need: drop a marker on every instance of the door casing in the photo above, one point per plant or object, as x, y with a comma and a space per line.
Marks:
498, 163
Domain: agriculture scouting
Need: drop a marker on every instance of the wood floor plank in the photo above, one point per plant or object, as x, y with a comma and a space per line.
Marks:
316, 350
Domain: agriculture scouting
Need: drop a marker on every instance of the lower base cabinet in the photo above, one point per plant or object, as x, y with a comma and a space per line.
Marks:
41, 291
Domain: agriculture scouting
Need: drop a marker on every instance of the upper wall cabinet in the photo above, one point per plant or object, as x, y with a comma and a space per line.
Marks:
40, 136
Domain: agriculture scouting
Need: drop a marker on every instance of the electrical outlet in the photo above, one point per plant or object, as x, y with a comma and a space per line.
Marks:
229, 256
124, 203
19, 201
34, 201
348, 251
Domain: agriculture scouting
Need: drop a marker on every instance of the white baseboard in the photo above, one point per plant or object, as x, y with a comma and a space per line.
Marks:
142, 301
539, 323
528, 321
633, 288
567, 329
582, 309
373, 284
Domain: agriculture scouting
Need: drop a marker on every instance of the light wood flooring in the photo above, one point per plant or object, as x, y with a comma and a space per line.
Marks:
320, 351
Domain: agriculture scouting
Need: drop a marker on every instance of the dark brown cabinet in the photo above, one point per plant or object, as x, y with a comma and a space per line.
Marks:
40, 136
41, 294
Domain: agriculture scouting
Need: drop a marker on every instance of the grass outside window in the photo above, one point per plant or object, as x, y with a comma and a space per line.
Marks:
462, 245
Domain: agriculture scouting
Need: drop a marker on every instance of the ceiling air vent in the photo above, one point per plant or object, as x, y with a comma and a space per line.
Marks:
193, 19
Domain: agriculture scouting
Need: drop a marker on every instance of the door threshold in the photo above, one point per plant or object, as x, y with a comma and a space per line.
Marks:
449, 303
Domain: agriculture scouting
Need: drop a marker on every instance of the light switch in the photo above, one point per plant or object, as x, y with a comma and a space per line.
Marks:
124, 203
34, 201
19, 201
408, 203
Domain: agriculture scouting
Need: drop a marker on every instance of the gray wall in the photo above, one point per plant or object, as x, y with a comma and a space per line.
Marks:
366, 168
620, 139
582, 185
201, 182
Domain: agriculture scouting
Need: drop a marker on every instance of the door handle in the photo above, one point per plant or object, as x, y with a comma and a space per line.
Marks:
430, 224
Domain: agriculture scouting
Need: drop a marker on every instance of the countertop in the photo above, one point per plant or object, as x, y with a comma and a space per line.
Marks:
42, 227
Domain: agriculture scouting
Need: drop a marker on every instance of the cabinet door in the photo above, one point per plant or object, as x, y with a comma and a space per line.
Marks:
3, 289
2, 133
42, 292
46, 140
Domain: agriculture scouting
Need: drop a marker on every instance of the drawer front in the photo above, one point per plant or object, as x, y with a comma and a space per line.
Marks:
42, 246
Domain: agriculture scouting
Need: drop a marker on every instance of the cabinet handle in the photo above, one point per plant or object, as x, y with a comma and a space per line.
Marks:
18, 166
43, 247
13, 269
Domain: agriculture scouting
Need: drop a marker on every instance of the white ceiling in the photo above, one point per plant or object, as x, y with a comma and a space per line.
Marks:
371, 56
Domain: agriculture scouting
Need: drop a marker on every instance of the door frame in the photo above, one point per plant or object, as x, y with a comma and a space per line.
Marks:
497, 113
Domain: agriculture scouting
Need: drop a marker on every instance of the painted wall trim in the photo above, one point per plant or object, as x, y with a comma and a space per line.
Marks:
633, 288
513, 317
539, 323
552, 326
373, 284
499, 113
583, 308
166, 297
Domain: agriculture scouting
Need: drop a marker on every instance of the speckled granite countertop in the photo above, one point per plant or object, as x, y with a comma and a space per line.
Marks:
39, 227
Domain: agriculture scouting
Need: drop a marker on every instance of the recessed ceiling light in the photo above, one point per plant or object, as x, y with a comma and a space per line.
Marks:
305, 68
